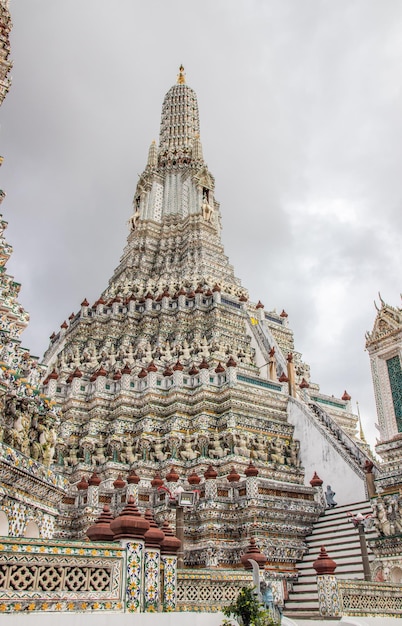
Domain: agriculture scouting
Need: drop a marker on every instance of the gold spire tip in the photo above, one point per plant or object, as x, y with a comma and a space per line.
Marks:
181, 78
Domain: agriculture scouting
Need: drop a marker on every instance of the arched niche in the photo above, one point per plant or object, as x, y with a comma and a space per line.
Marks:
32, 530
4, 527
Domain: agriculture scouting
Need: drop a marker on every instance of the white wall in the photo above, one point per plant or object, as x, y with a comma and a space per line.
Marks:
318, 455
112, 619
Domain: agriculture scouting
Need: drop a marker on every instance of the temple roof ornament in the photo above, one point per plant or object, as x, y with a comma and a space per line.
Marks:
181, 77
388, 322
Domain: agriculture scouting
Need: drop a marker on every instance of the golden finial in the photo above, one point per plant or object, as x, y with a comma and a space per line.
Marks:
181, 77
361, 433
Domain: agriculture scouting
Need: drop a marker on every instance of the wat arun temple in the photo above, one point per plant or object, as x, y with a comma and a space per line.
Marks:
174, 406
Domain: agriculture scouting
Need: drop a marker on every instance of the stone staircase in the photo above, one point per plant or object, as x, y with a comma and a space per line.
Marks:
335, 531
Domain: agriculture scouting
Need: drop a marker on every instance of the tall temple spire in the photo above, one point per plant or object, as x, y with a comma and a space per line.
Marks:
175, 187
179, 122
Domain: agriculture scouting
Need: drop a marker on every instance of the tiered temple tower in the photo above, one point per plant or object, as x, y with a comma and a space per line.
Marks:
174, 366
384, 345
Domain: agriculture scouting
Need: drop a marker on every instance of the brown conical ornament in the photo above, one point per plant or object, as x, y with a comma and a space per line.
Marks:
157, 481
316, 481
210, 473
129, 524
251, 470
253, 552
170, 544
233, 477
119, 483
172, 476
154, 535
324, 564
82, 485
133, 478
193, 479
100, 530
94, 480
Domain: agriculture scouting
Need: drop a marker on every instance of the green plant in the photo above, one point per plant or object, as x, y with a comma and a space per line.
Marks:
248, 608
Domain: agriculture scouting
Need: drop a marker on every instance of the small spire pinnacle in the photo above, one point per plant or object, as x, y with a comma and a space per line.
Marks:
361, 432
181, 79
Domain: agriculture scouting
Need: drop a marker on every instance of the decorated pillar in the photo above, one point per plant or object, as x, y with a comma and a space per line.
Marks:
152, 565
132, 486
93, 490
129, 527
251, 473
231, 371
329, 598
211, 489
178, 374
368, 471
204, 372
169, 548
259, 309
319, 497
216, 293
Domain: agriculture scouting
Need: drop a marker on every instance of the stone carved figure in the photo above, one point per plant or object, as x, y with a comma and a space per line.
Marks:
207, 210
215, 449
329, 497
189, 451
18, 416
292, 454
72, 459
388, 515
277, 451
259, 450
133, 221
157, 452
128, 455
241, 446
99, 457
49, 439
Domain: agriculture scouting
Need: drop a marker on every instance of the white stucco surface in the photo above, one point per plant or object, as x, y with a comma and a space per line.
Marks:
318, 455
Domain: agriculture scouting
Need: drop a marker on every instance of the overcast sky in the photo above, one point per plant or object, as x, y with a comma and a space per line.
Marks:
301, 124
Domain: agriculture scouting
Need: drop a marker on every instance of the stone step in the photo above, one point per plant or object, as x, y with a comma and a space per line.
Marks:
355, 507
336, 539
353, 565
343, 550
340, 558
304, 587
347, 575
346, 528
302, 602
340, 517
307, 618
335, 531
